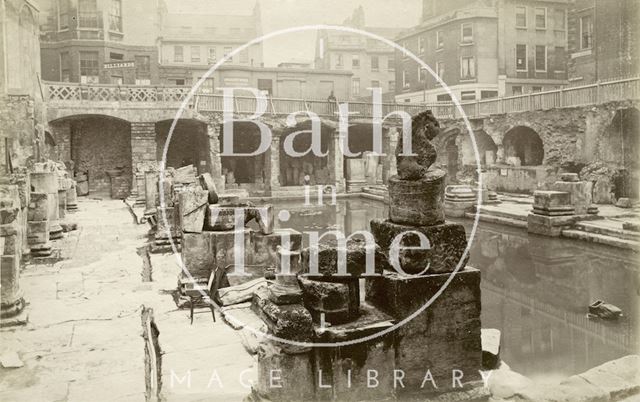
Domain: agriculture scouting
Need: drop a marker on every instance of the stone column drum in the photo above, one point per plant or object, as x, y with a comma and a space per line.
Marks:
150, 192
47, 182
12, 302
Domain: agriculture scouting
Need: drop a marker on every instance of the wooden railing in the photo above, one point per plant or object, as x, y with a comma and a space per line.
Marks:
618, 90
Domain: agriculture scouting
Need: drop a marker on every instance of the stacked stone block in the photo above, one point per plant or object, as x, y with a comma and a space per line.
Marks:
11, 229
553, 211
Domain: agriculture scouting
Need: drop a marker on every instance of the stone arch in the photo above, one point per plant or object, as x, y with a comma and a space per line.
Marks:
448, 152
523, 147
487, 149
189, 144
249, 172
318, 168
620, 148
97, 144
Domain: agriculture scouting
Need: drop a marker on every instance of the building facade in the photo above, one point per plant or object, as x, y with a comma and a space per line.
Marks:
597, 52
100, 41
22, 108
191, 43
370, 61
483, 49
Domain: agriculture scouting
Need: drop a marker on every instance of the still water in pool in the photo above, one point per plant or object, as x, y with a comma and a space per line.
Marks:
534, 289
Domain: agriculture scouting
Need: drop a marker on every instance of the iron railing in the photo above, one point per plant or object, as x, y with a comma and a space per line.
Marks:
601, 92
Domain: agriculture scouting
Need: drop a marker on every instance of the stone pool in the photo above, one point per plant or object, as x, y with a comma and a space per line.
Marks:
534, 289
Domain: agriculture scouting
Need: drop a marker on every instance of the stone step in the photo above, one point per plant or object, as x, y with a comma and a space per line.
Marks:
601, 238
501, 212
608, 231
491, 218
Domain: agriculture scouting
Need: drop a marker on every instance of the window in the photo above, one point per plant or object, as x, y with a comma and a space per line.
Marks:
391, 64
212, 55
143, 66
560, 62
516, 90
375, 84
143, 81
541, 58
405, 83
443, 98
355, 86
559, 19
420, 44
339, 61
65, 67
468, 95
405, 46
440, 67
488, 94
227, 51
375, 63
63, 15
467, 67
541, 18
195, 54
116, 56
355, 61
117, 79
244, 56
265, 86
89, 68
392, 85
115, 16
177, 81
439, 40
467, 32
88, 16
536, 89
421, 74
521, 17
586, 32
178, 54
521, 57
207, 86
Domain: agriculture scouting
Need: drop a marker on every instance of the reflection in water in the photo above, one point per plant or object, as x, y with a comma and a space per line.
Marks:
534, 289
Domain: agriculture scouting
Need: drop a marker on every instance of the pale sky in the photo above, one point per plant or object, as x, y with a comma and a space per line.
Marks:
279, 14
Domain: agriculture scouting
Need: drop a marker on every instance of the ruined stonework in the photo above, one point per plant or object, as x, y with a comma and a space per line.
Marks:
424, 128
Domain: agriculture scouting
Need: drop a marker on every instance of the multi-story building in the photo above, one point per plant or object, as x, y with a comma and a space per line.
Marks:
100, 41
191, 43
483, 49
371, 61
596, 51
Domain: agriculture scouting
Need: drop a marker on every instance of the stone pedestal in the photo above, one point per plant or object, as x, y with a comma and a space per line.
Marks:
38, 224
11, 235
286, 321
150, 192
417, 202
192, 206
62, 202
443, 337
355, 175
447, 243
333, 302
580, 192
47, 182
12, 301
72, 196
458, 200
552, 212
283, 375
203, 252
286, 290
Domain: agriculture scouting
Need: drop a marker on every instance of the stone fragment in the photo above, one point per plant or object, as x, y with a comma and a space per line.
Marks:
447, 243
552, 203
11, 301
633, 226
324, 260
624, 202
458, 200
573, 177
338, 302
284, 376
286, 321
203, 252
69, 226
580, 194
346, 368
38, 207
240, 293
264, 217
192, 205
37, 233
443, 336
168, 223
264, 246
150, 192
417, 202
223, 217
207, 183
8, 215
490, 348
